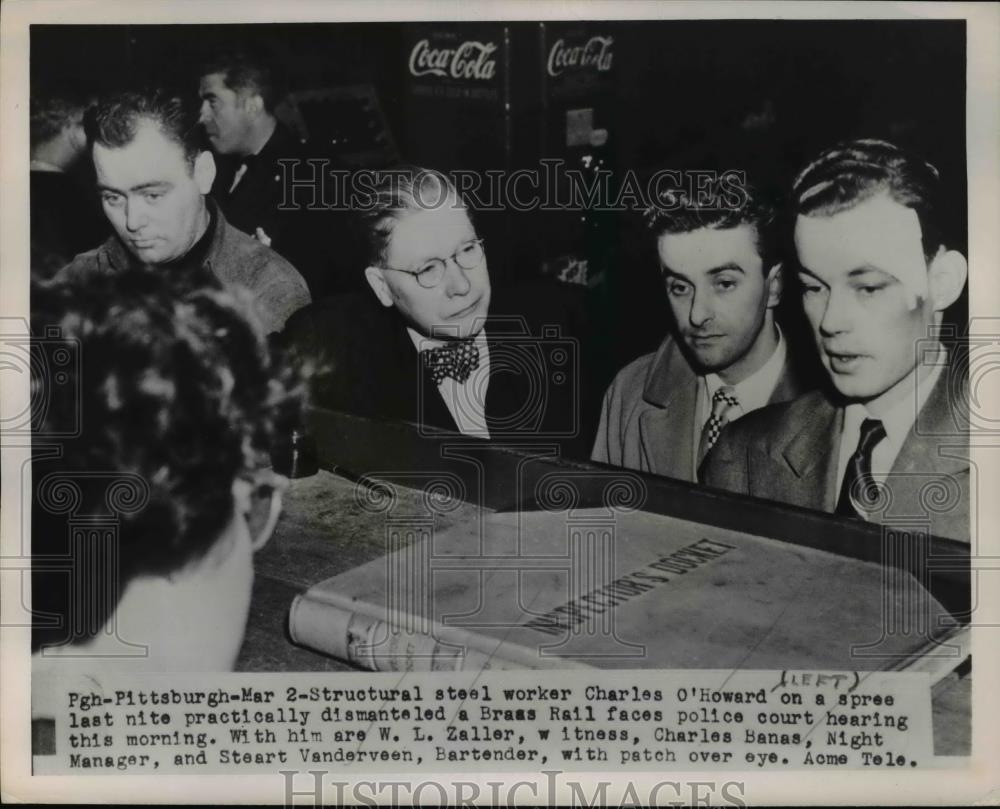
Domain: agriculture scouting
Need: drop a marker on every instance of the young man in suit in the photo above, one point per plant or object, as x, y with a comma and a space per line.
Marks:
727, 355
421, 345
877, 273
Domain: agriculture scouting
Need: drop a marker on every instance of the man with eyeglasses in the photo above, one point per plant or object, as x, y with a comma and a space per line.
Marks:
727, 355
424, 346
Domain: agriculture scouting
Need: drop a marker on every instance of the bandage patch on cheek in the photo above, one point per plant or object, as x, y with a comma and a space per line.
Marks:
902, 233
878, 235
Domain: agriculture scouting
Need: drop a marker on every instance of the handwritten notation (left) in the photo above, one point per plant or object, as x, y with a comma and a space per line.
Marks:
819, 679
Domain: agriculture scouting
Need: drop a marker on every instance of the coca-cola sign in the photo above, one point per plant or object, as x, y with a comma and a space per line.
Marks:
470, 60
594, 55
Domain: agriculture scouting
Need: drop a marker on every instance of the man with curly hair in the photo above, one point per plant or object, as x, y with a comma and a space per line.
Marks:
151, 454
726, 355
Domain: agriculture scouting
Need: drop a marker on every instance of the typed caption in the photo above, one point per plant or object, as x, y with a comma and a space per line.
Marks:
491, 721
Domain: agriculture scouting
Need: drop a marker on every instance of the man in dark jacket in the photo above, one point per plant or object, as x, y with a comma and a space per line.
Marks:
153, 177
425, 344
265, 171
65, 218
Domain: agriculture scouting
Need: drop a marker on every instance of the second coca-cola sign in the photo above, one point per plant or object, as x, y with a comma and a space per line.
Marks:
595, 54
470, 60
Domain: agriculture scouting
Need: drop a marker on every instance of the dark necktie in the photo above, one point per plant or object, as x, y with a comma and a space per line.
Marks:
456, 359
723, 402
858, 475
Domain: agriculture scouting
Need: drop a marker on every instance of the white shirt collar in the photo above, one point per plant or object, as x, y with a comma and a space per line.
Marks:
900, 417
466, 401
422, 343
897, 421
755, 391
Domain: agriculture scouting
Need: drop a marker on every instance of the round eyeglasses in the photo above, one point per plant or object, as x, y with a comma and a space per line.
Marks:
431, 273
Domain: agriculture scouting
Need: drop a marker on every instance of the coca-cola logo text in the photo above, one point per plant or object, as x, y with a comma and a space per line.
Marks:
596, 55
470, 60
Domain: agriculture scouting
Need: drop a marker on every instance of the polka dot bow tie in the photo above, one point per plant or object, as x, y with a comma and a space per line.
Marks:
456, 359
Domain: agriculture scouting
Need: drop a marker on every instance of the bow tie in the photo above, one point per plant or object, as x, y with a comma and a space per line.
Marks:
456, 359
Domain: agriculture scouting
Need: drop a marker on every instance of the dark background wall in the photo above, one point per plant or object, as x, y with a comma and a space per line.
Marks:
765, 95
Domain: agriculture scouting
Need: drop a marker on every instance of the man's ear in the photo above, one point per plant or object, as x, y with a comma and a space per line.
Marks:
775, 285
253, 104
946, 278
376, 280
204, 171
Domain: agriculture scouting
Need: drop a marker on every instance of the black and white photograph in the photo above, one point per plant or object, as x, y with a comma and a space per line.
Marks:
421, 405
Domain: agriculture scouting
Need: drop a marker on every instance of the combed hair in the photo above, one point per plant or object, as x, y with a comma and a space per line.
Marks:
176, 393
396, 193
854, 171
114, 120
678, 212
244, 70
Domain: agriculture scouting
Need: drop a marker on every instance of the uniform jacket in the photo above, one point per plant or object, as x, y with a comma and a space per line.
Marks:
235, 259
789, 452
647, 421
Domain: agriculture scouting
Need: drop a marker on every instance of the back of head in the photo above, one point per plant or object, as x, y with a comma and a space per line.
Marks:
173, 395
114, 121
50, 115
852, 172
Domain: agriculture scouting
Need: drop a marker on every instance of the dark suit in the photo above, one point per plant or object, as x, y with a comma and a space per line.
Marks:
368, 365
322, 244
647, 422
789, 452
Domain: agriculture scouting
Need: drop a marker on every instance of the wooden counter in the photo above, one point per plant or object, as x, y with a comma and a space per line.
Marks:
331, 524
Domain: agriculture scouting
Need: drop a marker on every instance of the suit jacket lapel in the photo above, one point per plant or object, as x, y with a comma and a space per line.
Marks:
509, 393
809, 453
788, 386
666, 434
937, 443
420, 400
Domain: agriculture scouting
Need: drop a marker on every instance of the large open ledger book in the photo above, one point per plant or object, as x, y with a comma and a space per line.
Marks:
629, 590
